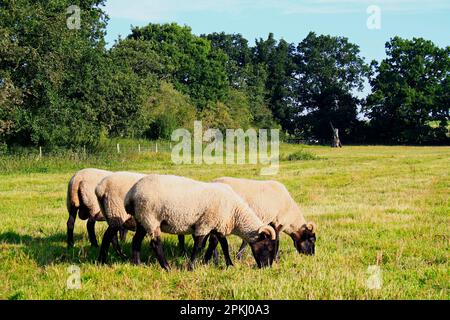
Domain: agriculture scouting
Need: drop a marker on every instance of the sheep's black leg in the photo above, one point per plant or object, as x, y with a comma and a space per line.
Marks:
116, 246
137, 243
181, 244
277, 241
198, 242
205, 241
109, 235
277, 252
91, 232
212, 247
241, 250
158, 248
216, 257
123, 233
224, 244
71, 225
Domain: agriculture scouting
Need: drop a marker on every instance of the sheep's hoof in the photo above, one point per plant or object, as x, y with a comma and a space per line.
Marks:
123, 257
101, 260
135, 259
191, 267
167, 268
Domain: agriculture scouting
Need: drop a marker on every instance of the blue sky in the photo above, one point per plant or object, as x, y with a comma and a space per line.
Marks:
290, 19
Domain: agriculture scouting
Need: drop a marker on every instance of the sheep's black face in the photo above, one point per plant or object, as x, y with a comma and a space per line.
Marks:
305, 241
264, 250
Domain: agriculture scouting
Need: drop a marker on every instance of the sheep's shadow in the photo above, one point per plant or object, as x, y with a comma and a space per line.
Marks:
52, 249
49, 249
176, 258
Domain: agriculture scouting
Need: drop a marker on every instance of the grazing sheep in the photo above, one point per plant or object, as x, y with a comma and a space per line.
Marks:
273, 204
111, 192
177, 205
81, 199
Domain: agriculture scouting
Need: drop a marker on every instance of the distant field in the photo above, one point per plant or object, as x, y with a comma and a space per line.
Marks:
388, 201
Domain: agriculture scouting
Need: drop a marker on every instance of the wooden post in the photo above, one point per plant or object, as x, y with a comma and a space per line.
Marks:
40, 152
118, 148
156, 148
336, 143
139, 148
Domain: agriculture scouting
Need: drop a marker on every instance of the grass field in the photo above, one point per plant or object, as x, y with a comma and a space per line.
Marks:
390, 202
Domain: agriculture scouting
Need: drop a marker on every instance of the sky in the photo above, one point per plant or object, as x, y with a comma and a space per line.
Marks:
292, 20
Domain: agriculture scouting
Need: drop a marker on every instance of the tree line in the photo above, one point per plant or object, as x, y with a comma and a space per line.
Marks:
61, 87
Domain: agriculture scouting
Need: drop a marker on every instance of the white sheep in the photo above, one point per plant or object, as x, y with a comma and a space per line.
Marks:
111, 192
273, 204
81, 199
178, 205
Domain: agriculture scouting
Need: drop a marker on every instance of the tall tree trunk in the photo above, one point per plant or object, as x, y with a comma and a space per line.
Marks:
336, 141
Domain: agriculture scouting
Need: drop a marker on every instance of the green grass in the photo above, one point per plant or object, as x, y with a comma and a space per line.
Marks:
366, 201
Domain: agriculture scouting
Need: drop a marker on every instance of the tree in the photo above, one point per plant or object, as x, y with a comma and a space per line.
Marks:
53, 69
410, 88
239, 54
217, 116
239, 109
190, 62
255, 89
166, 110
328, 71
247, 76
278, 59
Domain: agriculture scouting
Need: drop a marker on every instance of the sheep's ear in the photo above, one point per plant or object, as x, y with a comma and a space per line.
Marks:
311, 226
268, 231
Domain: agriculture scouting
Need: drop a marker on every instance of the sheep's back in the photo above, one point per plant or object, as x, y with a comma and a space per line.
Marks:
84, 183
270, 200
111, 192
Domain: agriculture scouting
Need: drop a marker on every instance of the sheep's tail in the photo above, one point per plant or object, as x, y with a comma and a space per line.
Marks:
100, 194
129, 205
73, 200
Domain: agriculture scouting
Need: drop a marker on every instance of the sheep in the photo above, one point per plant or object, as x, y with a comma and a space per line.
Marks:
178, 205
111, 193
81, 199
273, 204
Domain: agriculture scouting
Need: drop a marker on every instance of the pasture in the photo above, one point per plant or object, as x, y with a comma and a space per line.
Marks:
387, 202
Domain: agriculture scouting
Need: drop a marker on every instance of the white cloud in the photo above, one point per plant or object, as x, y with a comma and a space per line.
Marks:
148, 10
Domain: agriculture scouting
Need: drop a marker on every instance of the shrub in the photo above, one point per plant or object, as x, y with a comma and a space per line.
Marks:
301, 155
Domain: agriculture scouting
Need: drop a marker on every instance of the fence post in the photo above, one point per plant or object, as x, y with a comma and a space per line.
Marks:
40, 152
156, 148
118, 148
139, 148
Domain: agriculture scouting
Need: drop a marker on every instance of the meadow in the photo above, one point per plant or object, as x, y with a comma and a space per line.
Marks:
373, 205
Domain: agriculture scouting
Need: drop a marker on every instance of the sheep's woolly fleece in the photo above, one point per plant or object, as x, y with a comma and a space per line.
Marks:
180, 205
111, 192
271, 201
81, 191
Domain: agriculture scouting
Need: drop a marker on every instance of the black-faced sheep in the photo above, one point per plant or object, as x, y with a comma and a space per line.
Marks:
273, 204
81, 199
177, 205
111, 192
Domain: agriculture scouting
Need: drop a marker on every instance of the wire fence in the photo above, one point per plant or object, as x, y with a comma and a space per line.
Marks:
109, 148
146, 147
